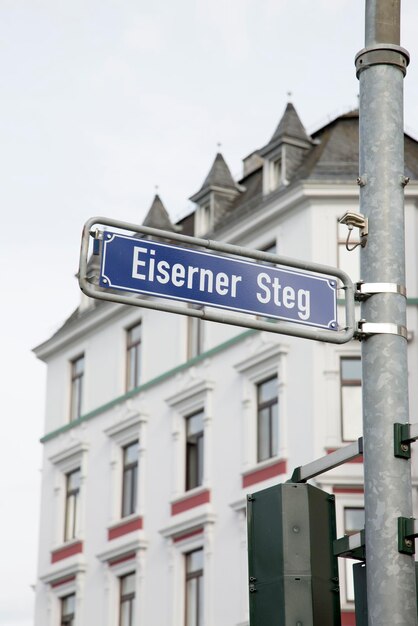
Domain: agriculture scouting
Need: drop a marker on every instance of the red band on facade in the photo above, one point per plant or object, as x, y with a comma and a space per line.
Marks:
62, 581
348, 618
124, 528
191, 533
190, 502
348, 490
257, 476
122, 559
66, 551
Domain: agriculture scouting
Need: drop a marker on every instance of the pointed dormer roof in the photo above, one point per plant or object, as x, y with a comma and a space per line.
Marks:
219, 177
289, 128
157, 216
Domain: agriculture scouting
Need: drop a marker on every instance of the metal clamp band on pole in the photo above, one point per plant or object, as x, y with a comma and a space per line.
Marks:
386, 54
367, 329
365, 290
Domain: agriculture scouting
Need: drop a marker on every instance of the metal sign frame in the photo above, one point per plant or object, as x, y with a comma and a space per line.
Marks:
92, 228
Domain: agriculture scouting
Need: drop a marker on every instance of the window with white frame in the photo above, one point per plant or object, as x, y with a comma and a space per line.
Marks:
353, 523
263, 392
194, 588
127, 599
129, 478
72, 504
351, 398
133, 356
267, 419
203, 218
126, 459
69, 493
191, 434
194, 450
77, 387
68, 610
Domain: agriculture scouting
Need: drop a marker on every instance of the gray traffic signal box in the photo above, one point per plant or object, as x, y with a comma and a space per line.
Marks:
293, 574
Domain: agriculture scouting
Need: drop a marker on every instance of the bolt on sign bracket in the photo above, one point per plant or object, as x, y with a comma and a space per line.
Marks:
404, 435
407, 532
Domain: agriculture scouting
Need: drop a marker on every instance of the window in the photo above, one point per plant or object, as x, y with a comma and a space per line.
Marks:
127, 600
133, 369
130, 478
194, 450
194, 588
353, 523
68, 610
276, 174
351, 405
77, 376
72, 499
267, 419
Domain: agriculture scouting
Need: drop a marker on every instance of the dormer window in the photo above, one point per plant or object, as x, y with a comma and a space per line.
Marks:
203, 219
285, 151
276, 173
215, 197
273, 172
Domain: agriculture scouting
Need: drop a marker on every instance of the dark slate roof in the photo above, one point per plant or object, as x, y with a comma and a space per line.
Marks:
219, 176
336, 153
289, 127
157, 216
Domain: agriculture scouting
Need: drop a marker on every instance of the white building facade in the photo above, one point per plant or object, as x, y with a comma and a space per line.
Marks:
158, 425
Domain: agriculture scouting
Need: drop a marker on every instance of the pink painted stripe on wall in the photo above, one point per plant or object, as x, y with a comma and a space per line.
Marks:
66, 551
191, 533
124, 528
190, 502
122, 559
62, 581
257, 476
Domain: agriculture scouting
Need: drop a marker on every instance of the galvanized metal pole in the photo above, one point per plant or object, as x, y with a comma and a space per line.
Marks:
381, 67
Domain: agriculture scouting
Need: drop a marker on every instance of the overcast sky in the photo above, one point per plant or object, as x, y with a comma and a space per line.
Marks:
102, 100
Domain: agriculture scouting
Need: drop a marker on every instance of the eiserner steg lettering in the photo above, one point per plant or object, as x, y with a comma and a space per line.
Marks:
145, 267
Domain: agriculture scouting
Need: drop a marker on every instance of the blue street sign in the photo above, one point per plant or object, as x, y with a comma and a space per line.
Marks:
167, 271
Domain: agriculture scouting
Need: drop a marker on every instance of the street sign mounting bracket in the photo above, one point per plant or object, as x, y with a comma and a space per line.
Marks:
367, 329
351, 546
365, 290
407, 533
404, 435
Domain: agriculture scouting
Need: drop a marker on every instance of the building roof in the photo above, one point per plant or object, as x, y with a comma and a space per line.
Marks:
289, 127
219, 176
157, 216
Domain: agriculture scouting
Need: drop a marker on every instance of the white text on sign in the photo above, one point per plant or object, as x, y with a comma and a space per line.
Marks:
145, 267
